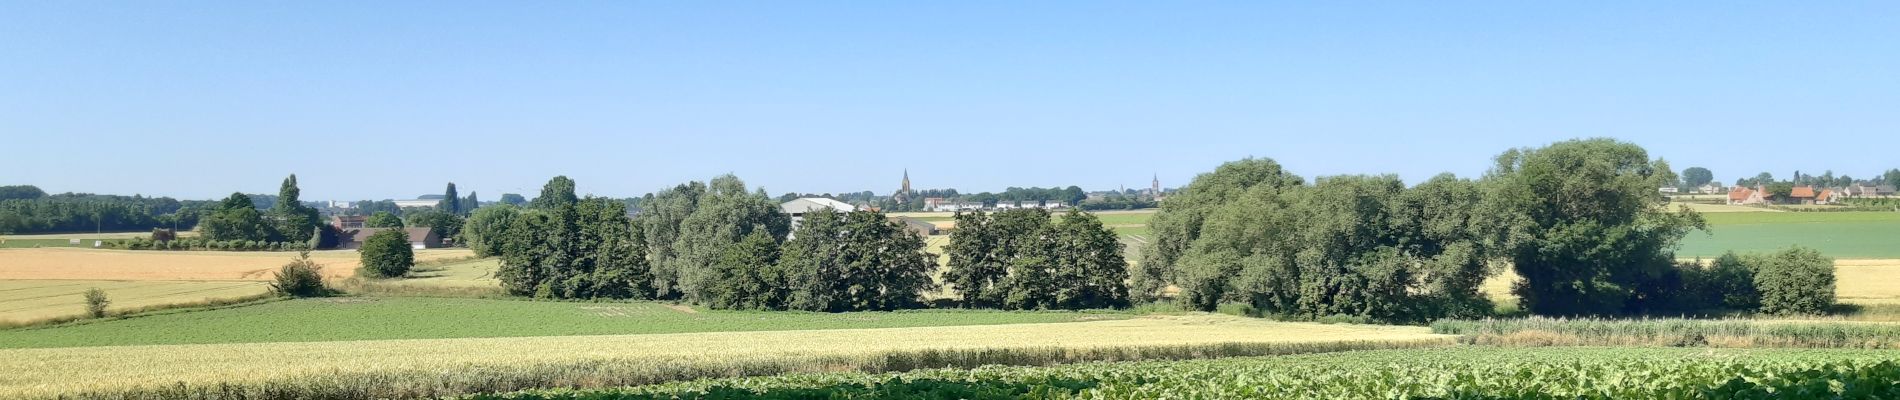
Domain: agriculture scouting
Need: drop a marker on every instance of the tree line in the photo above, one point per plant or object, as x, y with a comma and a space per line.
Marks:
725, 246
25, 209
1580, 221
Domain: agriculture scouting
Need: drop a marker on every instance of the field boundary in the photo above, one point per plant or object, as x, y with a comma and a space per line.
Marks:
606, 373
143, 311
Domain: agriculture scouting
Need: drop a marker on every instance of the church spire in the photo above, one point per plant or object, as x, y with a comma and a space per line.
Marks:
906, 187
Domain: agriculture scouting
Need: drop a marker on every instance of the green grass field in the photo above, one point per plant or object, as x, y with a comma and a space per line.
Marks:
373, 318
1836, 234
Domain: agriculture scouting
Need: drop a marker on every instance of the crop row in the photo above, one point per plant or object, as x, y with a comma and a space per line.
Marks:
1448, 373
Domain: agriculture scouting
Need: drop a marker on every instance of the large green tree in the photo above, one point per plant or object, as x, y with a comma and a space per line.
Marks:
726, 213
585, 249
558, 192
386, 254
1581, 224
1092, 272
487, 228
1183, 217
854, 261
746, 276
660, 218
1697, 176
235, 218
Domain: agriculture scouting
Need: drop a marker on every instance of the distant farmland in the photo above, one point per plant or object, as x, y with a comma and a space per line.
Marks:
1835, 234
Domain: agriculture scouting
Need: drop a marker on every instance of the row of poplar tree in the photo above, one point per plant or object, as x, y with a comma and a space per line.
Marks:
722, 246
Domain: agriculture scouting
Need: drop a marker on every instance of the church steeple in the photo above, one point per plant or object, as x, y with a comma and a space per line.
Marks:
1154, 188
906, 188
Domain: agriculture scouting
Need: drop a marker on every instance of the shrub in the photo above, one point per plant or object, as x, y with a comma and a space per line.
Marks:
386, 254
1794, 281
300, 278
1726, 283
96, 303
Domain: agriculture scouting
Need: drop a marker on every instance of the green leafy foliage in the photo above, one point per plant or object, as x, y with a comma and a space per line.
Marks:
300, 278
572, 250
235, 218
1458, 373
747, 276
1353, 246
386, 254
724, 214
487, 229
1794, 281
1020, 259
96, 303
444, 224
1580, 221
383, 219
451, 202
858, 260
557, 193
1697, 176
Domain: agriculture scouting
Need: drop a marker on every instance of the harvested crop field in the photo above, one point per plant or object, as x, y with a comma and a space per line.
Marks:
626, 358
23, 300
94, 264
1870, 281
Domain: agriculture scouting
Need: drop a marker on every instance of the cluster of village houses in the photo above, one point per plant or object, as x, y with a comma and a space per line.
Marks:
1743, 195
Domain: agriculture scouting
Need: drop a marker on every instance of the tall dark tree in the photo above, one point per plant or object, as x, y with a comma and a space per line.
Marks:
859, 260
293, 222
1092, 272
470, 204
513, 199
1697, 176
1580, 222
451, 202
557, 193
747, 276
973, 269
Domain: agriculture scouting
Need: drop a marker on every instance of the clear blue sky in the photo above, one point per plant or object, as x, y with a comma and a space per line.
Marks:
196, 99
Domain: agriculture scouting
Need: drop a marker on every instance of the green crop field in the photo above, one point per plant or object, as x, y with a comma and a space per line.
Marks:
1446, 373
1836, 234
369, 318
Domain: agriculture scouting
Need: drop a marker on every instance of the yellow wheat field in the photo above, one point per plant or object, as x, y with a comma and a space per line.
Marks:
42, 372
25, 300
98, 264
1867, 281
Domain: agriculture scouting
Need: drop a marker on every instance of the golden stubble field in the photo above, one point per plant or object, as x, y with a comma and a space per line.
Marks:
1870, 281
37, 283
39, 372
97, 264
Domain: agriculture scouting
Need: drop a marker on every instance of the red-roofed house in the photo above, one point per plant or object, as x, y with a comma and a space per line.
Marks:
1741, 195
1801, 195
